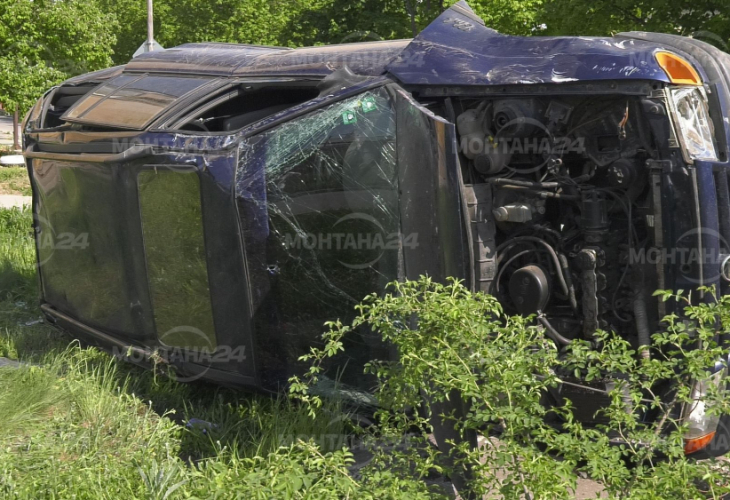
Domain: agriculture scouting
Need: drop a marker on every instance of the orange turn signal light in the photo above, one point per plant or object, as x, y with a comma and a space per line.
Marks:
678, 69
696, 444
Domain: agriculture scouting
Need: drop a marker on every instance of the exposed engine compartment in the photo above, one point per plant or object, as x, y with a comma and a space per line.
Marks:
566, 182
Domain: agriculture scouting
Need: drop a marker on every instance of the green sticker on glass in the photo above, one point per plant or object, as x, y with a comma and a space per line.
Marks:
349, 117
368, 104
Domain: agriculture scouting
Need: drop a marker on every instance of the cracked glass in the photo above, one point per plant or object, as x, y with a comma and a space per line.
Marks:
318, 201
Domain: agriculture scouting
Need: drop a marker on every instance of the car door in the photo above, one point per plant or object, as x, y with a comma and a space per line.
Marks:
360, 190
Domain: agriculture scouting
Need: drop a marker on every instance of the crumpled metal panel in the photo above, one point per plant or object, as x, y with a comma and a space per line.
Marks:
456, 49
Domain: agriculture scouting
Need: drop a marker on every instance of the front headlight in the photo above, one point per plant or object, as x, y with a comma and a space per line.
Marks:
692, 120
702, 424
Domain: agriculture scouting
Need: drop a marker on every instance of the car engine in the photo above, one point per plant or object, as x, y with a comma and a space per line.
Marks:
560, 196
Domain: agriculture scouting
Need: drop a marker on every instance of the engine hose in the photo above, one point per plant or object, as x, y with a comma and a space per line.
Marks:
568, 281
642, 322
551, 332
543, 194
506, 265
501, 181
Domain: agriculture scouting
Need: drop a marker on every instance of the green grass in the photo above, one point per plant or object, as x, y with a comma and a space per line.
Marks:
14, 180
77, 423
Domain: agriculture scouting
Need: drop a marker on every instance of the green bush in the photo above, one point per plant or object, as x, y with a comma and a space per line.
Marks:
471, 370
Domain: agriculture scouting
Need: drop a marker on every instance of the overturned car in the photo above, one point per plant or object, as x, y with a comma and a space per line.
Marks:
214, 204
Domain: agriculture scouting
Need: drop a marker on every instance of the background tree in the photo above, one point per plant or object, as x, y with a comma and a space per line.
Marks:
708, 20
261, 22
131, 24
343, 21
514, 17
43, 42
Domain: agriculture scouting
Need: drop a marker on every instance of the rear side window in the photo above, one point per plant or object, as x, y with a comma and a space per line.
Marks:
131, 101
172, 225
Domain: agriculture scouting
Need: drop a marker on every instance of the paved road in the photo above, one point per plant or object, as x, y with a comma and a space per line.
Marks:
5, 362
6, 130
14, 200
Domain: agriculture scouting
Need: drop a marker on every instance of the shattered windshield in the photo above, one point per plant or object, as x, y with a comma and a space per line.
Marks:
318, 201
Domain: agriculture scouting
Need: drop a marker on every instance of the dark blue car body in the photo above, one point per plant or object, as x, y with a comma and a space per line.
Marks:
212, 205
